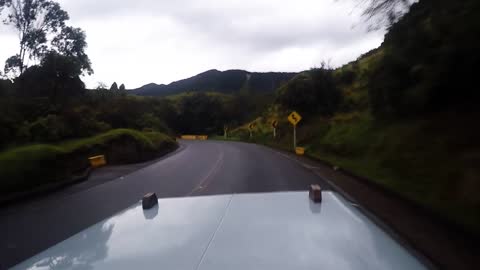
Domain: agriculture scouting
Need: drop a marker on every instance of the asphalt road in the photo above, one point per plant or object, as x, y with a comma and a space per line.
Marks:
197, 168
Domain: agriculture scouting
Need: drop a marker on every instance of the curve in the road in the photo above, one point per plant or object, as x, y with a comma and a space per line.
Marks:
199, 168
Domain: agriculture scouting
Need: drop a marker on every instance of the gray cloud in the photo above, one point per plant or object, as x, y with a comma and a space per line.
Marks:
160, 41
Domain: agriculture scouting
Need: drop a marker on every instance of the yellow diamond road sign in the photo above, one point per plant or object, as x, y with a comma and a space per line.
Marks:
294, 118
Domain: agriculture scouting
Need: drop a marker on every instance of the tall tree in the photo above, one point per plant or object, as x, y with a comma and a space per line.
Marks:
122, 87
56, 77
114, 87
34, 20
71, 42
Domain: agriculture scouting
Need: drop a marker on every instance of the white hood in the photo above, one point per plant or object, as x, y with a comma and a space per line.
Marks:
248, 231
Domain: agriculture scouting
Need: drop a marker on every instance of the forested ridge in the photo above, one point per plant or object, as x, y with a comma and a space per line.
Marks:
229, 82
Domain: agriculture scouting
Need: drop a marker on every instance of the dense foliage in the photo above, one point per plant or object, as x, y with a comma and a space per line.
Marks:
33, 166
430, 60
314, 91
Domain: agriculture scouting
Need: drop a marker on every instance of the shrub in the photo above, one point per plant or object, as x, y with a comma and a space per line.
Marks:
311, 92
46, 129
32, 166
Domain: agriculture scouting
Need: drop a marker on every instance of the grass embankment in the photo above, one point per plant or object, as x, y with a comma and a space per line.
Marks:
432, 160
32, 166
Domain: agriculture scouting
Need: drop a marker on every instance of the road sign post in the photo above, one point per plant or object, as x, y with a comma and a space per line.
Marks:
294, 118
274, 125
250, 128
294, 137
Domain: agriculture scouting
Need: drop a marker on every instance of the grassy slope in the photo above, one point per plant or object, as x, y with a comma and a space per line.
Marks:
178, 97
30, 166
430, 160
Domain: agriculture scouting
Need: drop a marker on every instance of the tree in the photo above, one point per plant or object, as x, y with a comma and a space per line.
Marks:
71, 42
5, 87
199, 113
34, 20
122, 87
429, 61
310, 92
101, 86
12, 65
57, 77
384, 12
114, 87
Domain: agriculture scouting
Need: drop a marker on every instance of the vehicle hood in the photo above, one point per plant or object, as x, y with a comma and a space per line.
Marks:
282, 230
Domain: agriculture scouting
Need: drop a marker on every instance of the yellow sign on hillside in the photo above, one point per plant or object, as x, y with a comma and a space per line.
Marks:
294, 118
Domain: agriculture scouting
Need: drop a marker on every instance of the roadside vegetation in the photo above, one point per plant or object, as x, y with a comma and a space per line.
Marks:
32, 166
404, 115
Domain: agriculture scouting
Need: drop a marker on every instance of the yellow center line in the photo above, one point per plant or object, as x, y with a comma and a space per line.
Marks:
203, 183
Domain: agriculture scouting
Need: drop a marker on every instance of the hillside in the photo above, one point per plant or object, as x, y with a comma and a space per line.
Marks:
403, 115
230, 81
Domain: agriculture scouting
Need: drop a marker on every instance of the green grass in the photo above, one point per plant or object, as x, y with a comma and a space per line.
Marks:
412, 160
178, 97
28, 166
106, 138
31, 166
431, 160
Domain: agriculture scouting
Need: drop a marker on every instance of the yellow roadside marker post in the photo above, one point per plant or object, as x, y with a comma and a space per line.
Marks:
300, 151
97, 161
294, 118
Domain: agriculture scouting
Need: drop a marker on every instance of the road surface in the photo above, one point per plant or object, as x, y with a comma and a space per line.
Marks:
197, 168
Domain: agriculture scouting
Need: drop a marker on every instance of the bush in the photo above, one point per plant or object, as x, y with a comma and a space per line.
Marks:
32, 166
430, 61
149, 121
311, 92
45, 129
346, 77
5, 88
82, 122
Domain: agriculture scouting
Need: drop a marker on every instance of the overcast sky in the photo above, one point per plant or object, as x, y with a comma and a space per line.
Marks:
143, 41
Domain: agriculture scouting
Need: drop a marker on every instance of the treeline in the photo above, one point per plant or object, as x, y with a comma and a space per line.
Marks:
37, 114
47, 101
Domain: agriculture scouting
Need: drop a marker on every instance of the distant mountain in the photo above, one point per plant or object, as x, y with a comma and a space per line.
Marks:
230, 81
